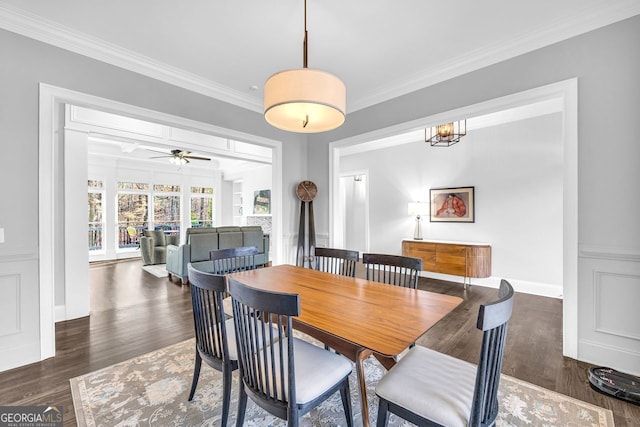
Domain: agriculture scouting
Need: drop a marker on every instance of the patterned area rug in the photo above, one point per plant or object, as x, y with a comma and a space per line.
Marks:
158, 270
152, 390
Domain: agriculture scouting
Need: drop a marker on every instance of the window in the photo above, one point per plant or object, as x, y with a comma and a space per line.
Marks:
166, 208
133, 186
201, 207
133, 213
95, 217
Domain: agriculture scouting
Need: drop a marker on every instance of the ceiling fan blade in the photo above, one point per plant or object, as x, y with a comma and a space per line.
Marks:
196, 158
161, 157
158, 151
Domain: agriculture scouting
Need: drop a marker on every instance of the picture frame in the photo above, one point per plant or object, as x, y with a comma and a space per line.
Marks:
262, 202
452, 204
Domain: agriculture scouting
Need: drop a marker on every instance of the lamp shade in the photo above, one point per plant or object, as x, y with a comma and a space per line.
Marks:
417, 208
304, 100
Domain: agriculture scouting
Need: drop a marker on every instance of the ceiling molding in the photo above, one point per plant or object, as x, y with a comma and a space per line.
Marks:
37, 28
582, 22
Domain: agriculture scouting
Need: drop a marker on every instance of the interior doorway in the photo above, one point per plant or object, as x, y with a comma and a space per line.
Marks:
566, 94
354, 193
54, 280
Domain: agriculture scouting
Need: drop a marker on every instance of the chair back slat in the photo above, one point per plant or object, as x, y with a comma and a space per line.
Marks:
264, 335
207, 291
492, 320
336, 261
232, 260
393, 269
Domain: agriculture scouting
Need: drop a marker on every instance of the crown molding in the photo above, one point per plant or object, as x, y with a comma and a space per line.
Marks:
35, 27
606, 13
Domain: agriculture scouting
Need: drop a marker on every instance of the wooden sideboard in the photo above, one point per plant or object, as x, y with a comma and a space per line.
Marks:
456, 258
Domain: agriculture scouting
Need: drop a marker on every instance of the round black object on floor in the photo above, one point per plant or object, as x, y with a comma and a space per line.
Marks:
616, 384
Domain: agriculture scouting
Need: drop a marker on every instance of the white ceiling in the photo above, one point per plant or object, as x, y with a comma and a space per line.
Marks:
380, 48
158, 157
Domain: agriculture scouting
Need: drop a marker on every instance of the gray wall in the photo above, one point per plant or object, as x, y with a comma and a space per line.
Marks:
606, 63
26, 63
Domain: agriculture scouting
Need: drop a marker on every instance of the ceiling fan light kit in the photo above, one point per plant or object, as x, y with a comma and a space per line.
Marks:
178, 161
305, 100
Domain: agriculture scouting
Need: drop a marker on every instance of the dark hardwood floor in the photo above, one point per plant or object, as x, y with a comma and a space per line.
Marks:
133, 312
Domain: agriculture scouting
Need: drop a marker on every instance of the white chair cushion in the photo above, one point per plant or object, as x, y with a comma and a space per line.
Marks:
227, 306
231, 339
431, 384
316, 369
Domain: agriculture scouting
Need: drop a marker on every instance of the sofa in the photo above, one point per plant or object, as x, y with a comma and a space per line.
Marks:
200, 241
153, 246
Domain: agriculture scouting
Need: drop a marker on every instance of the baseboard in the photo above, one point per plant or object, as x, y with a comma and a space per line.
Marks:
60, 313
527, 287
609, 356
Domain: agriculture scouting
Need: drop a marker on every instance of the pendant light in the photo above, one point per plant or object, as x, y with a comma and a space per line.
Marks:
304, 100
447, 134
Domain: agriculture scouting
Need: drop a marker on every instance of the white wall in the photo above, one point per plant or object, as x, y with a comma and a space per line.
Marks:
226, 199
516, 169
355, 204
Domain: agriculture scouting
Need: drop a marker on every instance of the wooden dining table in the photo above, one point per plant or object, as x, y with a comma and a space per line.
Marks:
356, 317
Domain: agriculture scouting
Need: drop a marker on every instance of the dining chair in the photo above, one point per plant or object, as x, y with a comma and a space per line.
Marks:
287, 377
214, 330
233, 260
215, 334
336, 261
430, 388
393, 269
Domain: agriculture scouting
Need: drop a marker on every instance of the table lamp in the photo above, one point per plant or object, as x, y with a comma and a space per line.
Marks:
418, 209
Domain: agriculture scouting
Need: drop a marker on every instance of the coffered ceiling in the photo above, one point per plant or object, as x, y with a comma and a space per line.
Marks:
380, 48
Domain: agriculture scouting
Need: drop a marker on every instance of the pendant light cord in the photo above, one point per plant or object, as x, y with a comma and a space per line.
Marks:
304, 44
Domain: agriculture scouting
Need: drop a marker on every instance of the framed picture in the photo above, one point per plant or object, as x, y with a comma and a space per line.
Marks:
452, 204
262, 202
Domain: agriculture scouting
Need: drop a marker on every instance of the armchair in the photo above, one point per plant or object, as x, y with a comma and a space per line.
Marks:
153, 246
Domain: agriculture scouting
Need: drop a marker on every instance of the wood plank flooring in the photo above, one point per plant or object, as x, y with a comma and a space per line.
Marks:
133, 312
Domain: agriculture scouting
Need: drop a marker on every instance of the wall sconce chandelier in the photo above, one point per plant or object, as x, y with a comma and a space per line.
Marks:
446, 134
305, 100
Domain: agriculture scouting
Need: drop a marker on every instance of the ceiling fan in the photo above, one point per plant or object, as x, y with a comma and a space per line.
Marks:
180, 157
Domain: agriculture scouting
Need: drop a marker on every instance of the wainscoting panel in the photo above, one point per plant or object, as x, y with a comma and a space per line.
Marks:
609, 287
9, 304
608, 313
19, 311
